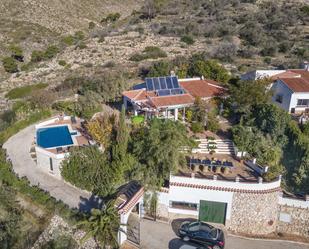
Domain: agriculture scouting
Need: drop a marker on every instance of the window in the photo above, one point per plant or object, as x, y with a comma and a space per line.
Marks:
51, 164
279, 98
303, 102
183, 205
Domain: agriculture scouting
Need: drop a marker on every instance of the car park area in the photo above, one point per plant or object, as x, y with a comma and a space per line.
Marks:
157, 235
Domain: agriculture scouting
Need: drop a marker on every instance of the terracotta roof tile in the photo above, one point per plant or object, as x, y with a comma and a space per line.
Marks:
173, 100
133, 93
202, 88
287, 74
139, 95
296, 84
304, 73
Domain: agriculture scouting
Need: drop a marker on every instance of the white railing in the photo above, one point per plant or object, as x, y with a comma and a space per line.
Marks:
259, 185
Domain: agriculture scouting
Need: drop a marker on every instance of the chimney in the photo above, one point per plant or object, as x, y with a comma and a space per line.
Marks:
173, 73
254, 160
202, 78
305, 65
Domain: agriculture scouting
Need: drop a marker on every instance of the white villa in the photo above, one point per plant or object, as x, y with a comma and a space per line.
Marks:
290, 87
54, 138
164, 97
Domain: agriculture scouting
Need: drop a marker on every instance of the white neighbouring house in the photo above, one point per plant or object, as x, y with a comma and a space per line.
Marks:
54, 138
164, 97
290, 87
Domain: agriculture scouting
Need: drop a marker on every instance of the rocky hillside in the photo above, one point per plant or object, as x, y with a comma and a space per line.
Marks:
64, 16
242, 34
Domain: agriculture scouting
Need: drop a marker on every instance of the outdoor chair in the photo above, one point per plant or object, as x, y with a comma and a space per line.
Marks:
59, 149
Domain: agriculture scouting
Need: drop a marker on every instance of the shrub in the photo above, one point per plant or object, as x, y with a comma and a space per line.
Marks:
69, 40
60, 242
197, 127
270, 49
17, 53
62, 63
208, 68
37, 56
19, 125
81, 45
226, 51
42, 98
187, 39
137, 120
79, 35
10, 65
112, 17
267, 60
137, 57
305, 9
24, 91
91, 25
150, 52
67, 107
212, 123
26, 66
51, 52
161, 68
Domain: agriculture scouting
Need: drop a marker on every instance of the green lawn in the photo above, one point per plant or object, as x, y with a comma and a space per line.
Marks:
137, 120
24, 91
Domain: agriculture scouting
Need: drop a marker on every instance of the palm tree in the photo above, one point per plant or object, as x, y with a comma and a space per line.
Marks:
103, 225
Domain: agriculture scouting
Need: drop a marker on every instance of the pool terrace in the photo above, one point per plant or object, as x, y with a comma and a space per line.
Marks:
60, 134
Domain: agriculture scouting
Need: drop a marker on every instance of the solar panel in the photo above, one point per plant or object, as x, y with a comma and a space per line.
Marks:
165, 92
169, 83
156, 84
177, 91
162, 82
149, 84
175, 82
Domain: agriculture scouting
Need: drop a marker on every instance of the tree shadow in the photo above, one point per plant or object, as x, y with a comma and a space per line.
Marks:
176, 223
86, 204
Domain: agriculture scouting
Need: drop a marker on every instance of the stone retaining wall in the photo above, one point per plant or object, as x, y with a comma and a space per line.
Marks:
293, 220
254, 213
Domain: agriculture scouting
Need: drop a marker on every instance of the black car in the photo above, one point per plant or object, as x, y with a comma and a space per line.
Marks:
203, 234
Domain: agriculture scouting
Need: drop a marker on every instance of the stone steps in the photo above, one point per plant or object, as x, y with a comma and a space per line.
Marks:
220, 146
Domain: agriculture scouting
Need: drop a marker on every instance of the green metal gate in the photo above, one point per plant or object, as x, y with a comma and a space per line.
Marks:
211, 211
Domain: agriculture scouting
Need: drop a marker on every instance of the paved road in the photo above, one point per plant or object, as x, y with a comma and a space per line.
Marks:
18, 148
155, 235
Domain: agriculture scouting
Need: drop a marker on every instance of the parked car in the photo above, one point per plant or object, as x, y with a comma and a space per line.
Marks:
203, 234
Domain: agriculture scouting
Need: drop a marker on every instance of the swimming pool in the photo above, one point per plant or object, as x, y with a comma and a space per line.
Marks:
54, 137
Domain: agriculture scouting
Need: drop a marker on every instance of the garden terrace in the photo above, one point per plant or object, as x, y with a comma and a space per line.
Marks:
230, 173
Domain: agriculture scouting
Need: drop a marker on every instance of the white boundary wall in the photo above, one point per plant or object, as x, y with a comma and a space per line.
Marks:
293, 202
192, 190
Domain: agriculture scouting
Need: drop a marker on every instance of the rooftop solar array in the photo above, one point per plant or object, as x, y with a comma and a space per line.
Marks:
162, 83
167, 92
164, 86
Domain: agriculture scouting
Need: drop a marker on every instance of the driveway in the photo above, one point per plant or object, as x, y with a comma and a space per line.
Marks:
155, 235
18, 147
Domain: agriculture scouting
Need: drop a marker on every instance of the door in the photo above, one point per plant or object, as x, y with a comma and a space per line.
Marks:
211, 211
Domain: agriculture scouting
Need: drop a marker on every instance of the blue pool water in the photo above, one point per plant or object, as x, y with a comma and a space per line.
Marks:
53, 137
